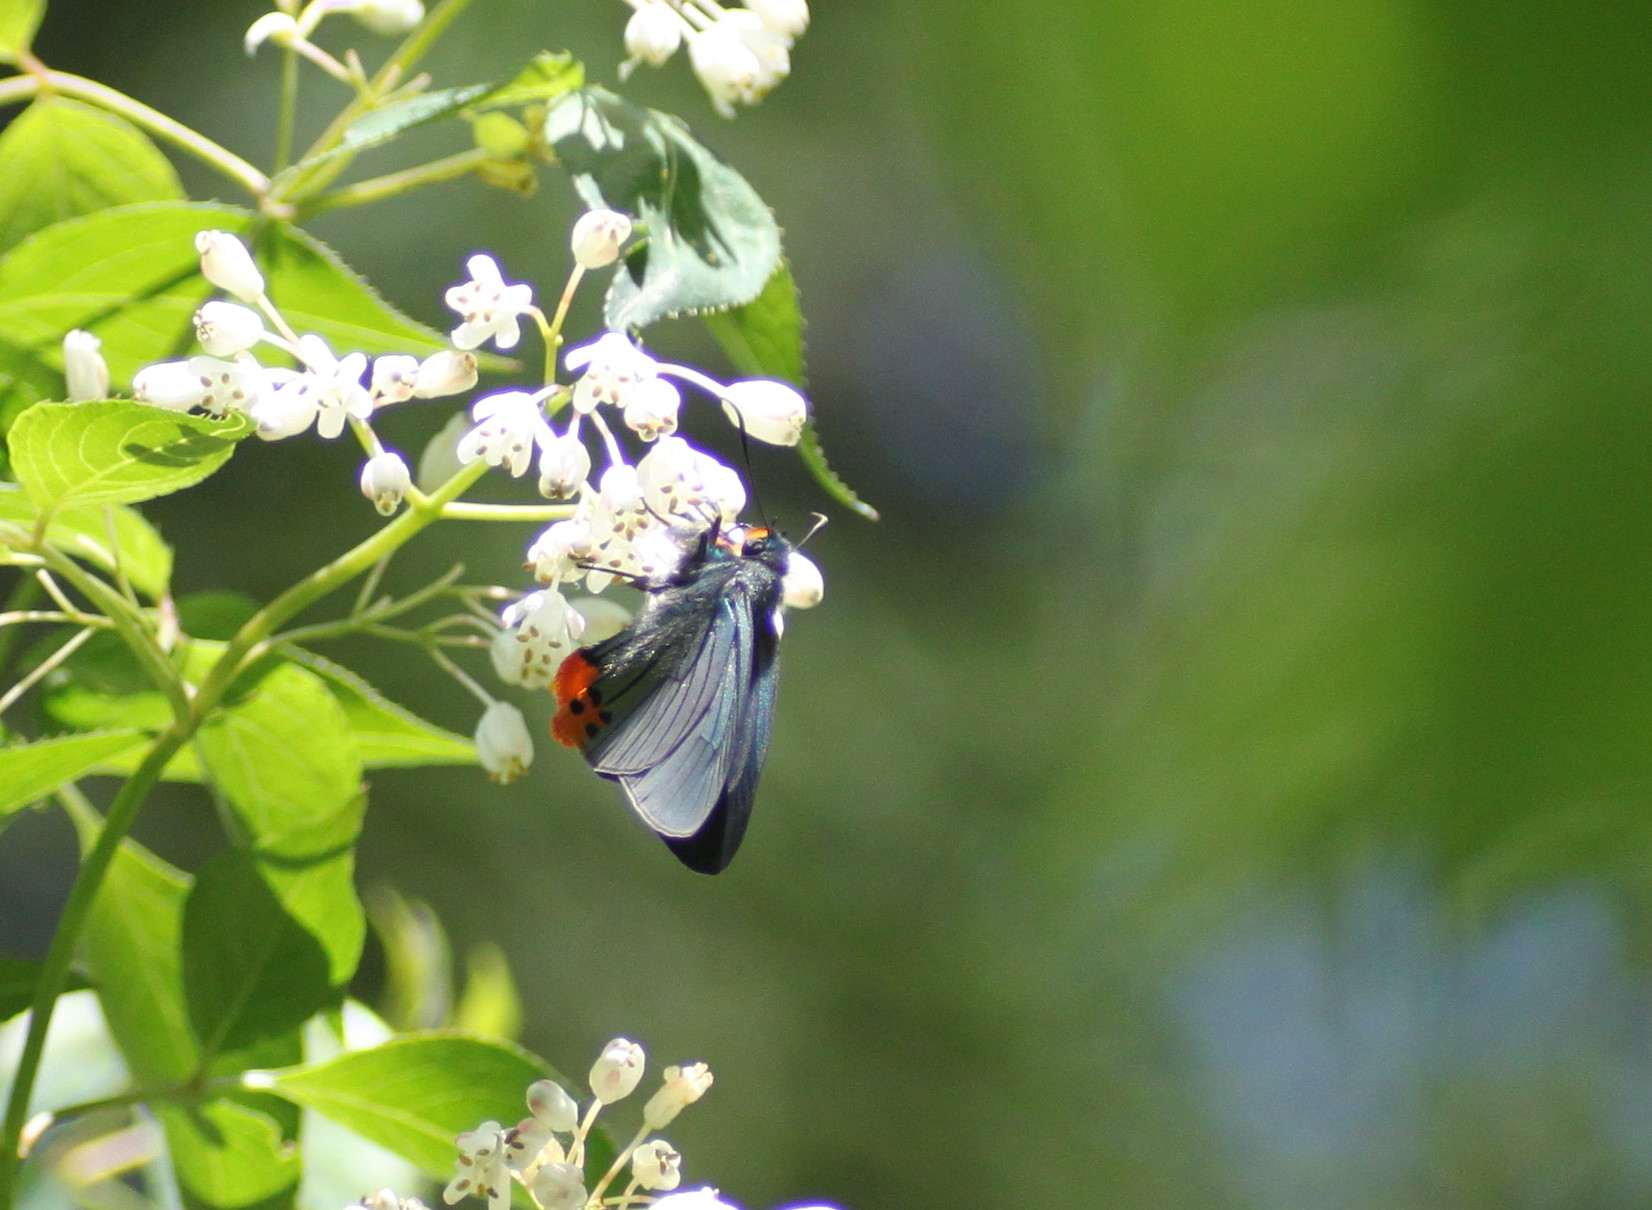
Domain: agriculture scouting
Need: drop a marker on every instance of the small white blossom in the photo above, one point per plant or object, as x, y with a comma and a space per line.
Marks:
509, 424
287, 410
487, 306
505, 750
767, 410
652, 36
226, 263
680, 481
392, 379
225, 329
385, 480
771, 48
617, 1070
544, 631
656, 1165
338, 390
445, 373
233, 386
726, 67
168, 384
387, 1199
693, 1199
551, 1105
802, 586
564, 465
388, 17
85, 373
482, 1168
559, 1187
651, 408
279, 27
789, 18
598, 236
560, 551
613, 367
683, 1086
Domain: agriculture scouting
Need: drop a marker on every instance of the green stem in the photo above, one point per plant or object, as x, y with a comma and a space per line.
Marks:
288, 118
62, 83
392, 184
54, 972
469, 511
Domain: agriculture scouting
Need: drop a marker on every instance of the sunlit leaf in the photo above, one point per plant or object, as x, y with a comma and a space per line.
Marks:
31, 771
229, 1155
18, 21
115, 452
96, 535
387, 735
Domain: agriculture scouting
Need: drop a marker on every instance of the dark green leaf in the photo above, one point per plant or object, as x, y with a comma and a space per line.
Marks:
382, 125
17, 980
131, 950
26, 378
18, 21
712, 243
60, 158
85, 533
114, 452
387, 735
251, 970
31, 771
229, 1156
416, 1094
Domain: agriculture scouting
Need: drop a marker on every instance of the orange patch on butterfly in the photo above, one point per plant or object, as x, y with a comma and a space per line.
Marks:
579, 715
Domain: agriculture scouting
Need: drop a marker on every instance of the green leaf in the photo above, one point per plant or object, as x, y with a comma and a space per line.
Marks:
60, 158
251, 970
712, 243
84, 533
285, 759
26, 378
415, 1094
229, 1155
114, 452
131, 952
17, 980
387, 735
380, 126
18, 21
31, 771
547, 76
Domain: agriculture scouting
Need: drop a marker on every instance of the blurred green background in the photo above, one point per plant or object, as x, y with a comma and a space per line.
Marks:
1223, 778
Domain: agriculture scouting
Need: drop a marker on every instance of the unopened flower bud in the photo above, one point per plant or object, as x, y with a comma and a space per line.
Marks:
393, 378
651, 408
767, 410
598, 236
802, 585
657, 1166
225, 328
388, 17
564, 464
788, 18
551, 1105
617, 1070
278, 27
446, 373
385, 480
559, 1187
503, 746
652, 35
683, 1086
85, 373
169, 384
727, 68
226, 263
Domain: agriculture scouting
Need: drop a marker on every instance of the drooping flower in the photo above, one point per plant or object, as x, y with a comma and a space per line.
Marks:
559, 553
789, 18
678, 480
504, 749
564, 465
613, 367
598, 236
487, 306
767, 410
482, 1168
544, 630
651, 408
652, 35
385, 480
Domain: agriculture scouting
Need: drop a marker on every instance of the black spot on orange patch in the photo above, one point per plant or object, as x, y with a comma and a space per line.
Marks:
573, 700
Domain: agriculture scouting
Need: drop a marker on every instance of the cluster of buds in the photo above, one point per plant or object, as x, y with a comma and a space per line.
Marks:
738, 54
545, 1152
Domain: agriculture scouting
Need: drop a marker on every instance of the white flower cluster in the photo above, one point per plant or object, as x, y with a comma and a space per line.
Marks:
326, 391
545, 1152
739, 54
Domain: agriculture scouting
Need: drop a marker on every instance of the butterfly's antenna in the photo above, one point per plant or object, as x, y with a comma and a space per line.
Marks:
745, 452
820, 521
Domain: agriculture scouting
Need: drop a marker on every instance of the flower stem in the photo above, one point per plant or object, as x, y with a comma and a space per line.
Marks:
391, 184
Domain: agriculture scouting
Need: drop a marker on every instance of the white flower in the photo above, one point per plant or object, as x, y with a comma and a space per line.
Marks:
439, 460
598, 236
233, 386
619, 515
544, 631
767, 410
287, 410
693, 1199
279, 27
802, 586
617, 1070
789, 18
613, 367
508, 426
388, 17
652, 36
226, 263
385, 480
771, 47
560, 551
337, 381
505, 750
445, 373
170, 385
487, 306
564, 465
225, 329
551, 1105
726, 67
482, 1169
85, 373
678, 480
559, 1187
387, 1199
392, 379
651, 408
657, 1165
683, 1086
